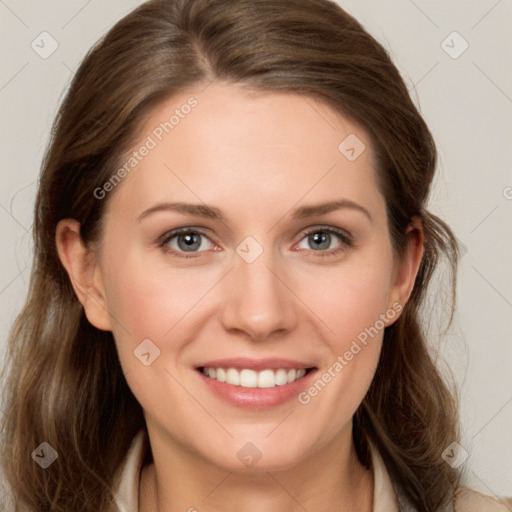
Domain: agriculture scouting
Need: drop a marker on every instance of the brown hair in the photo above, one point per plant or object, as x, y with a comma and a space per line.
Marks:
65, 384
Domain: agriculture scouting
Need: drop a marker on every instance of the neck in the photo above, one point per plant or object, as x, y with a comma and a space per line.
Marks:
179, 481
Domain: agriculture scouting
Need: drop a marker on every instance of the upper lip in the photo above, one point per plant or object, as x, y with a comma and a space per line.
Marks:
256, 364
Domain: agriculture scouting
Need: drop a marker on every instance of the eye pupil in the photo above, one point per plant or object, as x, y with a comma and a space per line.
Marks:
191, 241
321, 238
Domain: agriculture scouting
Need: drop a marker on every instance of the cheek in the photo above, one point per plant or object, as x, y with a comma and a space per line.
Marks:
154, 302
352, 309
149, 299
350, 298
347, 370
147, 302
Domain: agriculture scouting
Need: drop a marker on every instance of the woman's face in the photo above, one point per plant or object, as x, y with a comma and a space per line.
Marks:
284, 266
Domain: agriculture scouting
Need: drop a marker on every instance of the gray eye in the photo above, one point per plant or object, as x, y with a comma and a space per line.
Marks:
190, 241
320, 240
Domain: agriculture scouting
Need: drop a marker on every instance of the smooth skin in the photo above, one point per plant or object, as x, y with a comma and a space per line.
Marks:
256, 157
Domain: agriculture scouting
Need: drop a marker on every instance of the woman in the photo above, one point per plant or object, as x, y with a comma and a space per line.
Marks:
231, 249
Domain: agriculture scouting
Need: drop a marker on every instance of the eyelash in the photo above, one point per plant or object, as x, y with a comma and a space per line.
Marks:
346, 240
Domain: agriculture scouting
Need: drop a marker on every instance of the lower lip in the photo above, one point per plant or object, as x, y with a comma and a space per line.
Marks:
257, 398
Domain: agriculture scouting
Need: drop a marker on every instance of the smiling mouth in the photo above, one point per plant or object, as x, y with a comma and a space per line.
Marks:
247, 378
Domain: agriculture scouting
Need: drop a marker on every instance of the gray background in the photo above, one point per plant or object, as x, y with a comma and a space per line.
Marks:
467, 102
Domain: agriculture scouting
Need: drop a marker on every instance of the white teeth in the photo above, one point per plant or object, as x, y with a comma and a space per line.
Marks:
233, 377
281, 377
221, 375
266, 379
248, 379
251, 379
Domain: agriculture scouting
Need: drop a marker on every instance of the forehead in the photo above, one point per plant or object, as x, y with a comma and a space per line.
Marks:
228, 145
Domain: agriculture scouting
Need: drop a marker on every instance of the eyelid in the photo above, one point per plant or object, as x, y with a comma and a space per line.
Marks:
164, 239
346, 238
342, 233
185, 229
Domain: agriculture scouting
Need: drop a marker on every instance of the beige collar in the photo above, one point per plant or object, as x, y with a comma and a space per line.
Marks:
128, 477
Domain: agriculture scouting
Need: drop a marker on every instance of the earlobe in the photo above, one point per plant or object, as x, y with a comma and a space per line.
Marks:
83, 272
407, 269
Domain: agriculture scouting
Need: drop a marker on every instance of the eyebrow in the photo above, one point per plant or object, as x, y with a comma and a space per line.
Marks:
211, 212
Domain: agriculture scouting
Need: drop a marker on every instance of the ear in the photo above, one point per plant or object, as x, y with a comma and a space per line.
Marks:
84, 273
407, 268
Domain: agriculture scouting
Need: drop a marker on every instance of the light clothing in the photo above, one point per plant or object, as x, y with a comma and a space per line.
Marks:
385, 498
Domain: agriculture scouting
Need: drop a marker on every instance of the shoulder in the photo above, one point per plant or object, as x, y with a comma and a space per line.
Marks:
467, 500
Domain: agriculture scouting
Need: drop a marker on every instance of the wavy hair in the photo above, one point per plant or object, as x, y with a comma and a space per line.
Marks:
63, 380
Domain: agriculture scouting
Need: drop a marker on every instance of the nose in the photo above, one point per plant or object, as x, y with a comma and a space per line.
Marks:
258, 300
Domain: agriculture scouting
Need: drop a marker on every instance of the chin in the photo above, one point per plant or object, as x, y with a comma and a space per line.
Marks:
247, 456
